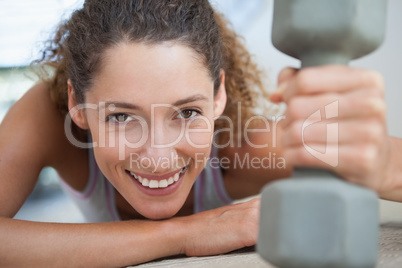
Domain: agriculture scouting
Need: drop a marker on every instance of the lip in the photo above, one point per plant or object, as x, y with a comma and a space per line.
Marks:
158, 191
157, 177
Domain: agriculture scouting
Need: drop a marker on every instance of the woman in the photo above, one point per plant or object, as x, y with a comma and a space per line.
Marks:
156, 92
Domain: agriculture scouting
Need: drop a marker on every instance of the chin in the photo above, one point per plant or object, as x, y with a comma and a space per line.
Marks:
159, 210
160, 216
159, 213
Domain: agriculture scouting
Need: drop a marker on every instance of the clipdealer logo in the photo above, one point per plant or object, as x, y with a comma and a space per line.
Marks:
329, 156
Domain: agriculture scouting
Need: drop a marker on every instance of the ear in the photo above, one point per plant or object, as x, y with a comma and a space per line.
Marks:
77, 112
220, 98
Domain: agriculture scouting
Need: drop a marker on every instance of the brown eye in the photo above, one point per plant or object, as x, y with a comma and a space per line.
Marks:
187, 114
119, 118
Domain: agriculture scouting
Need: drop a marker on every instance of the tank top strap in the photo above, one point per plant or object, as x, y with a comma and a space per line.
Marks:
209, 189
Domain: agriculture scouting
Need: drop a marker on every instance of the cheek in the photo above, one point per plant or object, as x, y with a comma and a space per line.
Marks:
106, 159
116, 139
109, 149
132, 137
199, 133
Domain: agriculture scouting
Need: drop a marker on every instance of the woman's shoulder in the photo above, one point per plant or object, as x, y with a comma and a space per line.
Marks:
32, 118
37, 116
259, 156
31, 138
257, 139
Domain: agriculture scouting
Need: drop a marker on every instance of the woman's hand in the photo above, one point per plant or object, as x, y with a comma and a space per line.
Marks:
221, 230
335, 119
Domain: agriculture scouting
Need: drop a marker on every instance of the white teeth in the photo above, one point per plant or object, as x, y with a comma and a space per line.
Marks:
153, 184
176, 177
170, 181
159, 184
145, 182
163, 184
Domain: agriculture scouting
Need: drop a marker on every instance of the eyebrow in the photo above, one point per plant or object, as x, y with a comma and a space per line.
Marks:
126, 105
193, 98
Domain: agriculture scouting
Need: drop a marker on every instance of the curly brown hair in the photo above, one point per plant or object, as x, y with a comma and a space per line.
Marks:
76, 50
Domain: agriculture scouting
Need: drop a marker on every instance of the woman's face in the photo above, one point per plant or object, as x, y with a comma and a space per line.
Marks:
151, 120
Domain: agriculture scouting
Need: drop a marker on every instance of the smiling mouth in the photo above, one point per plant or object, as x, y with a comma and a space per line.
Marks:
153, 184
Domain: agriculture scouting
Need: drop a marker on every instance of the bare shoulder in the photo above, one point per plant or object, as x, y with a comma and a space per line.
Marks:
34, 122
27, 124
260, 141
32, 137
258, 160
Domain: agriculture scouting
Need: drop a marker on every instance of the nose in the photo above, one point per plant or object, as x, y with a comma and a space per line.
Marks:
159, 152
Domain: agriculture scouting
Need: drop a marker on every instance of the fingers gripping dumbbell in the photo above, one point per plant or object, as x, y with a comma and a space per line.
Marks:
315, 219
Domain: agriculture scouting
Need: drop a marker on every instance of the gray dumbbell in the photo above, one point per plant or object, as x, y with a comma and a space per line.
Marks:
315, 219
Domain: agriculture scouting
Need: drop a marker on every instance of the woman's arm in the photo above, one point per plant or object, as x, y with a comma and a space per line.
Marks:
31, 138
24, 148
217, 231
35, 244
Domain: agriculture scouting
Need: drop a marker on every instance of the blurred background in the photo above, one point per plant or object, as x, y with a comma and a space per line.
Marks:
25, 25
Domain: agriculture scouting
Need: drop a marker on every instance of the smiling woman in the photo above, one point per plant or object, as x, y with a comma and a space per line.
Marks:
157, 70
143, 86
139, 119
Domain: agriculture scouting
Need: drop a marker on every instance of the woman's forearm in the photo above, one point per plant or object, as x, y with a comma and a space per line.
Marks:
216, 231
392, 189
25, 243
